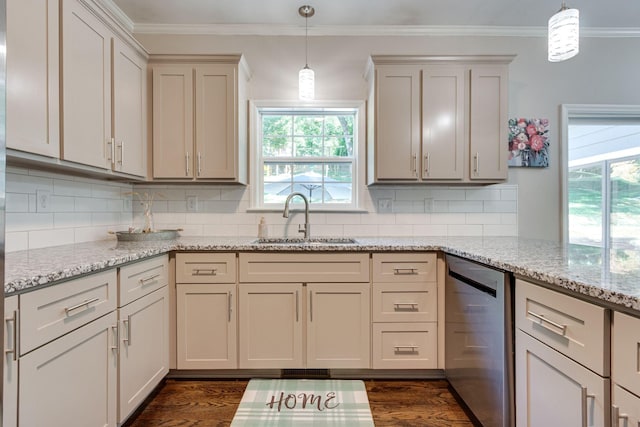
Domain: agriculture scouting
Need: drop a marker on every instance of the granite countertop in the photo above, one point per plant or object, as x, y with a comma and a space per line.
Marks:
612, 277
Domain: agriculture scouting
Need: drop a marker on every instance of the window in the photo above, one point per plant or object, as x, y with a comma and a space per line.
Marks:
603, 182
312, 151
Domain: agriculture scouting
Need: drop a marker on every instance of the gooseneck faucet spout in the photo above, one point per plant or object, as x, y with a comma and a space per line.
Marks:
306, 228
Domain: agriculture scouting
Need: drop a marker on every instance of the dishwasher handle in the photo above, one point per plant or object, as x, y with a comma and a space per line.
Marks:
474, 284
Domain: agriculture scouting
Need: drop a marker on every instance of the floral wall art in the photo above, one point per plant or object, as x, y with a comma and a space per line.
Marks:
529, 142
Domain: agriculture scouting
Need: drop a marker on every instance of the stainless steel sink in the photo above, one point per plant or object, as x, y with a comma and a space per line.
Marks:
311, 241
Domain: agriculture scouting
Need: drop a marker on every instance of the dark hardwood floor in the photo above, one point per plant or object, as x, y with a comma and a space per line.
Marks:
209, 403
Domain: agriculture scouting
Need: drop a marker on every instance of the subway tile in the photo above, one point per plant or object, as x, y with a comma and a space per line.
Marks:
28, 221
395, 230
71, 219
361, 230
336, 218
465, 206
447, 194
63, 187
500, 206
225, 230
440, 206
105, 218
327, 230
378, 218
187, 230
234, 194
413, 218
426, 230
482, 194
483, 218
105, 191
27, 184
464, 230
46, 238
89, 204
412, 194
448, 218
204, 193
91, 234
500, 230
509, 194
17, 202
202, 218
115, 205
408, 206
63, 203
16, 241
509, 219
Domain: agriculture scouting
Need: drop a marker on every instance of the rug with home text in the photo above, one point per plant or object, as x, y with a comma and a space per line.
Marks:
289, 402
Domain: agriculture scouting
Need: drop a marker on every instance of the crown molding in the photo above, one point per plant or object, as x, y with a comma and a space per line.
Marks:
369, 30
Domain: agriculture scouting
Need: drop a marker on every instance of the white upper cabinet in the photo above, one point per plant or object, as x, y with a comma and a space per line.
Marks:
200, 118
86, 87
33, 117
129, 110
437, 119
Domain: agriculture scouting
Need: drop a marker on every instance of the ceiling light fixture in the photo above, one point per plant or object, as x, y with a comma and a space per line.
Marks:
306, 79
564, 34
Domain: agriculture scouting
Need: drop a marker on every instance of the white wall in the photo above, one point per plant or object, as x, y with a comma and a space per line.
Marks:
605, 72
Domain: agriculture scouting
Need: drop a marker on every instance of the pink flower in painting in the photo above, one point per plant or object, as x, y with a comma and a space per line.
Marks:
531, 129
537, 143
522, 138
522, 123
522, 146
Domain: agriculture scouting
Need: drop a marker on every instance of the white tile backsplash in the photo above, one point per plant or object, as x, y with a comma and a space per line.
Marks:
86, 209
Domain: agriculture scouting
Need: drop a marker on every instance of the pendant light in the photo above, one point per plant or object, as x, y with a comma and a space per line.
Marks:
564, 34
306, 79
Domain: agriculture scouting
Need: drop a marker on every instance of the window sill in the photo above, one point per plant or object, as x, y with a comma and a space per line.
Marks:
346, 210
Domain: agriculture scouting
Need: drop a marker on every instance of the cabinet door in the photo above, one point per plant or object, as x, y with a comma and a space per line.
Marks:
33, 96
144, 348
625, 408
72, 380
488, 122
338, 325
397, 122
553, 390
173, 121
10, 366
86, 87
271, 319
206, 326
216, 122
129, 110
625, 352
443, 123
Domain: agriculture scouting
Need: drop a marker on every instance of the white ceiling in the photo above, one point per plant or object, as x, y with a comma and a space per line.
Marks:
344, 16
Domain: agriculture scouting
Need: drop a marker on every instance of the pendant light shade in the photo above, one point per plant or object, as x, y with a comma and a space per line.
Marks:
564, 34
306, 80
306, 77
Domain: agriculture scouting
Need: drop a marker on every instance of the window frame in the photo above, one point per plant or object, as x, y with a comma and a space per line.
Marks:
257, 159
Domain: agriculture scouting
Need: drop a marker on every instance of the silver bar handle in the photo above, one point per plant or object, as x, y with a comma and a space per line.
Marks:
199, 163
404, 271
543, 320
14, 330
112, 151
143, 280
86, 304
476, 163
427, 164
311, 306
230, 308
127, 324
585, 411
297, 306
187, 161
204, 272
405, 305
414, 162
121, 153
410, 348
114, 330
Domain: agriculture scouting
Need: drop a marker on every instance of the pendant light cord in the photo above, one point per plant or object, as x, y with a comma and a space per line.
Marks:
306, 41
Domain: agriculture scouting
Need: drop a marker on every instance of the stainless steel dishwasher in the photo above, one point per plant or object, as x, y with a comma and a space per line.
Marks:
479, 340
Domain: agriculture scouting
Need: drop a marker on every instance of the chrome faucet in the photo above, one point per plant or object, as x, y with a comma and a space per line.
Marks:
306, 228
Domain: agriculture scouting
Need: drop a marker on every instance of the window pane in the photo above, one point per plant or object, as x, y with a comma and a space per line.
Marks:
625, 204
276, 125
275, 146
308, 125
307, 146
338, 147
585, 205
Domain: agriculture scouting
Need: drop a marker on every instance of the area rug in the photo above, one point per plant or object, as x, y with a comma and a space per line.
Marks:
286, 403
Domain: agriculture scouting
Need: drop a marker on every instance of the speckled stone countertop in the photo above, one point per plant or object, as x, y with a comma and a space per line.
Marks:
612, 277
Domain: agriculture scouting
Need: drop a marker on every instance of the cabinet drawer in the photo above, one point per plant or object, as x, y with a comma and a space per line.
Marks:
303, 268
48, 313
142, 278
626, 352
404, 267
577, 329
405, 302
405, 345
206, 268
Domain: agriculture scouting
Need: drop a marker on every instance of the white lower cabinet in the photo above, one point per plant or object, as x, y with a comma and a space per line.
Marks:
338, 325
625, 409
10, 365
276, 319
206, 326
625, 371
144, 349
72, 381
271, 325
553, 390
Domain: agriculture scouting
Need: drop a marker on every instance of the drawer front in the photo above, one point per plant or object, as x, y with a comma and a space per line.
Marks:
142, 278
404, 267
626, 352
304, 268
405, 302
206, 268
577, 329
405, 345
48, 313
